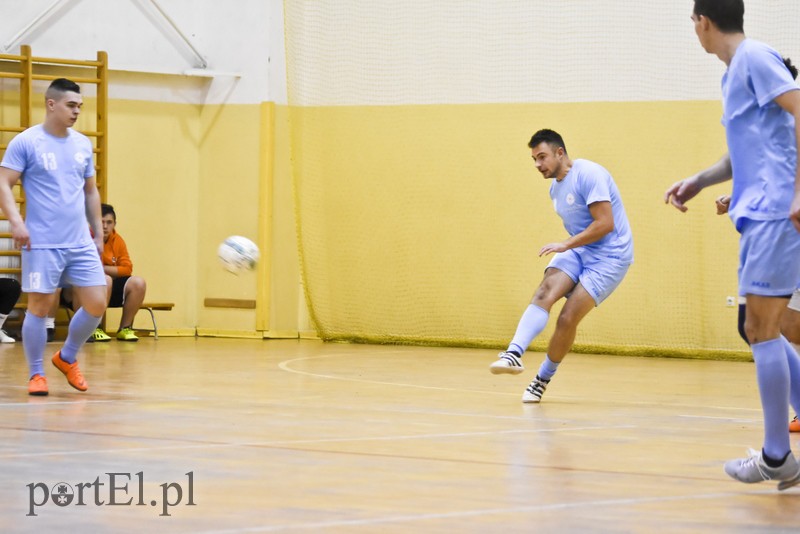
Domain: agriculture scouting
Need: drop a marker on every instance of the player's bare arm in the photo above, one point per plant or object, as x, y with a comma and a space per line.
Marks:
684, 190
790, 102
602, 224
19, 232
92, 199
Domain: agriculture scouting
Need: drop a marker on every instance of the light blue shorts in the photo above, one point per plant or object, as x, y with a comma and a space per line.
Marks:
46, 269
769, 258
600, 276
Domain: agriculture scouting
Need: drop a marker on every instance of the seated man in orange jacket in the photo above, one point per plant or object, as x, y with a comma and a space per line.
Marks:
125, 290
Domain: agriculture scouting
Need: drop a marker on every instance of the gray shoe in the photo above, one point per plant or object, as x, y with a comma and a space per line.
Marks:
753, 469
507, 363
535, 390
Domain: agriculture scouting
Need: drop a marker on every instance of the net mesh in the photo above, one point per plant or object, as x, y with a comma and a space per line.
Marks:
419, 213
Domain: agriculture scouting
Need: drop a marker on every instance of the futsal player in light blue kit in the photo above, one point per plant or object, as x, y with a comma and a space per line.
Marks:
761, 115
54, 163
587, 266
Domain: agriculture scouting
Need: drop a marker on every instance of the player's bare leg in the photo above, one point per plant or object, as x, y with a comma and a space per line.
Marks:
773, 371
577, 306
553, 287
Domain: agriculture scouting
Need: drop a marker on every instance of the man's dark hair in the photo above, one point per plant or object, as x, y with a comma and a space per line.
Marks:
550, 137
59, 86
727, 15
108, 209
792, 68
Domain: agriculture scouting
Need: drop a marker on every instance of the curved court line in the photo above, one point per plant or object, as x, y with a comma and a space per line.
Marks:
284, 365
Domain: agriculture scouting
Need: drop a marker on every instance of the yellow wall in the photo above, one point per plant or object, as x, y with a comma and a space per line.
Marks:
186, 177
229, 185
153, 185
288, 315
182, 178
423, 223
419, 223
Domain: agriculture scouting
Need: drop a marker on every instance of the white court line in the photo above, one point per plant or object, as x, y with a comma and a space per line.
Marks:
729, 419
284, 365
607, 503
284, 443
47, 403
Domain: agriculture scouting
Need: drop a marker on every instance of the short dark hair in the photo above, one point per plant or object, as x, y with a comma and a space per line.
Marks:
792, 68
108, 209
727, 15
59, 86
550, 137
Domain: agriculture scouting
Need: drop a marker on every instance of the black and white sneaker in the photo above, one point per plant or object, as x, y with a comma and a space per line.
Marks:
535, 390
507, 363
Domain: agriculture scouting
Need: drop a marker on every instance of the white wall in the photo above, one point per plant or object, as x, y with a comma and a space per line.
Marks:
241, 41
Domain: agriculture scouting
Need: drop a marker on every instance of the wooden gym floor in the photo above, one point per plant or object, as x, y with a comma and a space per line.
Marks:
285, 436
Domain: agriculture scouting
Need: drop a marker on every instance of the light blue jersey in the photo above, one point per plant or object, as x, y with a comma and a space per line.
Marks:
587, 183
761, 135
55, 170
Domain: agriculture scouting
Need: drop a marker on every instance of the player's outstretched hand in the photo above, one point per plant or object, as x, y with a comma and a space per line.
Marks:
551, 248
681, 192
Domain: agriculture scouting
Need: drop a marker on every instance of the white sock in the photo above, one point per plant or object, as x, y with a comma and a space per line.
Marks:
530, 325
3, 318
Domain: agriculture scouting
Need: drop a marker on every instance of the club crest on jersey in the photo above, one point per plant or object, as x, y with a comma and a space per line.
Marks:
570, 199
80, 158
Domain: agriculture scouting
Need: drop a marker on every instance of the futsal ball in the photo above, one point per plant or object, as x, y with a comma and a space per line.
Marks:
237, 254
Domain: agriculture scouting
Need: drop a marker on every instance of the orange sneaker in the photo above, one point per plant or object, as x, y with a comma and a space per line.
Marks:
73, 374
794, 426
37, 386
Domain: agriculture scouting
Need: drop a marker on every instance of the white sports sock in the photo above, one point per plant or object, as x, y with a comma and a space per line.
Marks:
530, 325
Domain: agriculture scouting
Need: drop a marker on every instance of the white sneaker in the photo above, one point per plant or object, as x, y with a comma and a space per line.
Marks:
535, 390
753, 469
5, 338
507, 363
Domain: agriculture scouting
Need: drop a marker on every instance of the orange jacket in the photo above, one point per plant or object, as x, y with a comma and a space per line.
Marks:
115, 253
